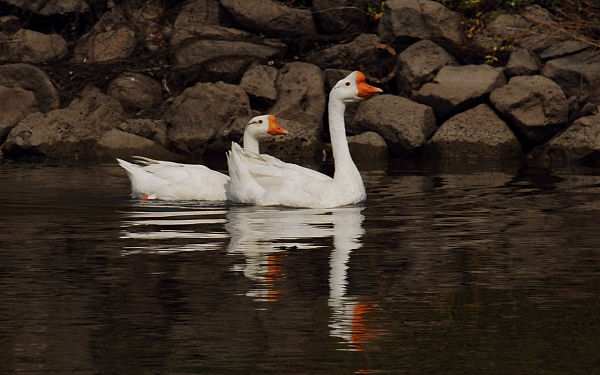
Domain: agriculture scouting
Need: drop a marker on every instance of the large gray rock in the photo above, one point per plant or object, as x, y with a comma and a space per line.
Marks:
340, 16
301, 142
404, 124
221, 59
301, 95
579, 142
31, 78
521, 63
70, 132
536, 105
360, 50
406, 20
367, 148
51, 7
110, 40
29, 46
136, 90
476, 133
16, 105
578, 75
456, 88
204, 113
116, 143
419, 63
155, 130
271, 18
505, 28
259, 82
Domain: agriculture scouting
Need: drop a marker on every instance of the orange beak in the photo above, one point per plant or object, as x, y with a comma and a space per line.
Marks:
364, 89
274, 128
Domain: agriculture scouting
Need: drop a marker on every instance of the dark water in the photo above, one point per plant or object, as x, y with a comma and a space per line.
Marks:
488, 272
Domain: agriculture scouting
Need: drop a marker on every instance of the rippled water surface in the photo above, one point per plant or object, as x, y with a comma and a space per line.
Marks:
479, 271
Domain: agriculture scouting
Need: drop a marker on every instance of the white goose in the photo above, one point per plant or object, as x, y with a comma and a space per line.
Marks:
174, 181
264, 180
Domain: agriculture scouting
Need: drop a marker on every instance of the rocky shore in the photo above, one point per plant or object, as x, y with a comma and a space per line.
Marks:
178, 80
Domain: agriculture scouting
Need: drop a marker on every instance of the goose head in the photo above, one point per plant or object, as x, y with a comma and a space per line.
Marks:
261, 127
353, 88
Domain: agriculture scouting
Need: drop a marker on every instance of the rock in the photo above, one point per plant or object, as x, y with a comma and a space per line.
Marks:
201, 19
403, 21
420, 62
221, 59
204, 113
155, 130
31, 78
368, 147
362, 48
70, 132
16, 105
521, 63
116, 143
29, 46
404, 124
259, 82
476, 133
302, 142
340, 16
51, 7
506, 29
536, 105
110, 40
271, 18
539, 37
568, 47
579, 142
301, 96
136, 90
578, 75
455, 89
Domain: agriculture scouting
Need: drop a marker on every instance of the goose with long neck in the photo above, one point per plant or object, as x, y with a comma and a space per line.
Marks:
156, 179
267, 181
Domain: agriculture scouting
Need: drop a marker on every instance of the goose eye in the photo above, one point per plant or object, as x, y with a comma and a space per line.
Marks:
347, 83
260, 121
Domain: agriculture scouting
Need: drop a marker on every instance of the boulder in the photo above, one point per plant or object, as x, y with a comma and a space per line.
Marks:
31, 78
540, 37
271, 18
29, 46
405, 21
136, 90
155, 130
475, 133
301, 95
302, 142
259, 82
110, 40
204, 113
340, 16
537, 107
16, 105
368, 147
221, 59
116, 143
404, 124
70, 132
456, 88
578, 75
579, 142
521, 63
51, 7
505, 29
361, 49
568, 47
419, 63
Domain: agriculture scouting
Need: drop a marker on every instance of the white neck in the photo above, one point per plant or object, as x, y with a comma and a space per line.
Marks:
344, 166
250, 142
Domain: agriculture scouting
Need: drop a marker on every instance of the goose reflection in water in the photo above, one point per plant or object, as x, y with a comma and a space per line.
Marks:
264, 234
